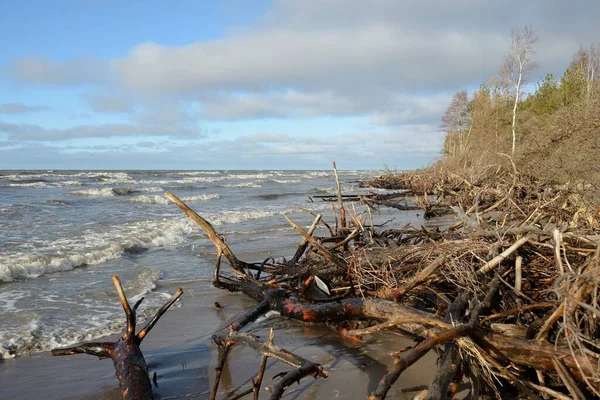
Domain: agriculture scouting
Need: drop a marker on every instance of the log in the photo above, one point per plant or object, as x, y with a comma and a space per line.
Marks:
450, 362
501, 350
402, 363
529, 353
130, 366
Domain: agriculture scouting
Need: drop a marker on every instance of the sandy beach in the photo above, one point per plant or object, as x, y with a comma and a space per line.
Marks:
164, 251
180, 350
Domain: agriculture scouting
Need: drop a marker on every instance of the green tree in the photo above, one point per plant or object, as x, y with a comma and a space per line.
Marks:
547, 97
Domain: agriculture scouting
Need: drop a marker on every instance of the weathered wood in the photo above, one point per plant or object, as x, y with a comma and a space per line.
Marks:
305, 242
129, 363
402, 363
302, 367
222, 247
419, 278
493, 263
326, 253
498, 350
530, 353
339, 196
450, 361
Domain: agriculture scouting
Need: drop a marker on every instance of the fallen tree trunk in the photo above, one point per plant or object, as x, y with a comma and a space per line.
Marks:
130, 365
503, 350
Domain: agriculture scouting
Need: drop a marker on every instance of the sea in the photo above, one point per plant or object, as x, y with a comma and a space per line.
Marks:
64, 233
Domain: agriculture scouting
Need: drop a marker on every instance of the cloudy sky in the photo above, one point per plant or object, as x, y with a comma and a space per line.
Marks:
240, 84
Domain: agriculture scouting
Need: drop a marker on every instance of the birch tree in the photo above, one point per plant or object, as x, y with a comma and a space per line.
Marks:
587, 63
518, 64
456, 123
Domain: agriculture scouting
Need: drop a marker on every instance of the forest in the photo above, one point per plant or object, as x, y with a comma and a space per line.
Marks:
552, 133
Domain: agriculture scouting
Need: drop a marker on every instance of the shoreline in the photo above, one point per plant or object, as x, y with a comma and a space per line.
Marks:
465, 261
181, 352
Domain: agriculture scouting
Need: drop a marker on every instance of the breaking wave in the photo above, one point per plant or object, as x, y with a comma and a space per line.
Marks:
104, 192
89, 320
94, 248
243, 185
286, 181
43, 184
156, 199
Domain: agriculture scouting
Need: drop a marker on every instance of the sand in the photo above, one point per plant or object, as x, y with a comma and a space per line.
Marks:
180, 350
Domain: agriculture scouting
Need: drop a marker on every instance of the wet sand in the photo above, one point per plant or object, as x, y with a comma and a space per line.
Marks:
180, 350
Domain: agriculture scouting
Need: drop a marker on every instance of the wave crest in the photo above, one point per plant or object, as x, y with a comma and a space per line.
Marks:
156, 199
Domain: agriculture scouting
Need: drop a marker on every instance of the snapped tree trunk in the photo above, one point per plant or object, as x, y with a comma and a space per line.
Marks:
129, 362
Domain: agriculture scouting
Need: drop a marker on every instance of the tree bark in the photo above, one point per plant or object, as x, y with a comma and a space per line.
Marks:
129, 362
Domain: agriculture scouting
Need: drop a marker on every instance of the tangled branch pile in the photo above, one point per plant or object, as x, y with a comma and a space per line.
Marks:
508, 294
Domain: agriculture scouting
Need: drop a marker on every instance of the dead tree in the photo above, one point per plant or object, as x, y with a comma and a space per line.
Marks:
127, 357
278, 292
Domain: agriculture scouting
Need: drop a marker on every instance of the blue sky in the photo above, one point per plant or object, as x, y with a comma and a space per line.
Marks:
99, 84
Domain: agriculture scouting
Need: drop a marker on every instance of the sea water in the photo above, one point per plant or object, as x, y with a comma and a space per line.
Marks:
64, 233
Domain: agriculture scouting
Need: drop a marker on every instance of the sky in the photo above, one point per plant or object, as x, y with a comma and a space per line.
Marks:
244, 84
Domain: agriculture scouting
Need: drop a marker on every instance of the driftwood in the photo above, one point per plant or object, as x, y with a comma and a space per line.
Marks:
495, 352
508, 295
130, 365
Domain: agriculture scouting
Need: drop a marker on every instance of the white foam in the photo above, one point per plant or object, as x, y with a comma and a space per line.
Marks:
104, 192
9, 299
151, 189
156, 199
196, 173
98, 321
252, 176
244, 185
69, 183
47, 184
183, 181
145, 283
93, 248
232, 217
286, 181
316, 174
30, 184
18, 265
85, 174
4, 353
107, 176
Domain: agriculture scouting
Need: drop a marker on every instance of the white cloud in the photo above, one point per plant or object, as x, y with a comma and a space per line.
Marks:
345, 46
281, 104
391, 63
18, 108
76, 71
34, 132
347, 59
110, 102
